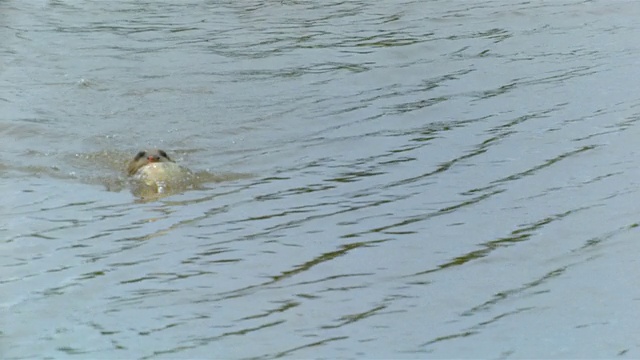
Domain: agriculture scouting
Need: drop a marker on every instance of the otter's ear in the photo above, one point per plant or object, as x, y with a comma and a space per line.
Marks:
164, 155
139, 155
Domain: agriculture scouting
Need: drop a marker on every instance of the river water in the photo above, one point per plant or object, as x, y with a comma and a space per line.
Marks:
393, 179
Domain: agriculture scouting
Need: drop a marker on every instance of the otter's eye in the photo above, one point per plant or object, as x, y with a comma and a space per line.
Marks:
140, 155
163, 154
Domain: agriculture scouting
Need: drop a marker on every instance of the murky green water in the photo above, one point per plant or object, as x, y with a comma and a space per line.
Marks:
407, 179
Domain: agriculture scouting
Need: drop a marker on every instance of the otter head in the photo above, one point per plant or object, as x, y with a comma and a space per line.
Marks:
145, 157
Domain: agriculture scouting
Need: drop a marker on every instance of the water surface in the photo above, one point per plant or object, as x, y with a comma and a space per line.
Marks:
408, 179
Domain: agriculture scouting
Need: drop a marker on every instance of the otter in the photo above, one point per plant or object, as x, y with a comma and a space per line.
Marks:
153, 172
146, 157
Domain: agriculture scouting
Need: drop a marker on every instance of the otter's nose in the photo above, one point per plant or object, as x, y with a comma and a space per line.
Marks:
153, 158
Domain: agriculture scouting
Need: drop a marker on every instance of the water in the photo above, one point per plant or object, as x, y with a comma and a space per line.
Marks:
408, 179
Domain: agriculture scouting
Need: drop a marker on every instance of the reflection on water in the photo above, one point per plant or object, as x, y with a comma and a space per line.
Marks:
372, 179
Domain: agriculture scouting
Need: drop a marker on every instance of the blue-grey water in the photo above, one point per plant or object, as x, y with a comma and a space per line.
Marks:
393, 179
